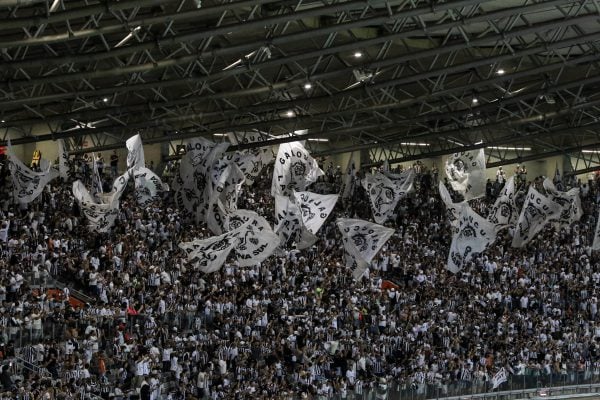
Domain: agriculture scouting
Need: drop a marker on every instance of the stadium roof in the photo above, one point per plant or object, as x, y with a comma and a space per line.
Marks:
401, 79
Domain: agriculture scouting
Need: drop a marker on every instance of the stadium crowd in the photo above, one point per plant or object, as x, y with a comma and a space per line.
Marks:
296, 325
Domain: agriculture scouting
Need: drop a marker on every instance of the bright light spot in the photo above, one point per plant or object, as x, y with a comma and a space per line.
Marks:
289, 113
357, 54
500, 71
3, 121
105, 99
318, 140
219, 134
308, 86
415, 144
510, 148
475, 101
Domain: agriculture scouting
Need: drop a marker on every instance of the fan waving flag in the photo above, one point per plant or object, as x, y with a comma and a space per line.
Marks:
209, 254
28, 185
466, 173
135, 152
257, 241
472, 235
101, 216
384, 196
288, 220
403, 181
537, 211
147, 186
362, 241
63, 160
570, 203
295, 169
499, 378
504, 212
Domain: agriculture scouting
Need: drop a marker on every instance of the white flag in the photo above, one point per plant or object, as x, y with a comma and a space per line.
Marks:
210, 254
452, 209
504, 212
384, 195
404, 181
499, 378
570, 203
101, 217
135, 155
96, 178
362, 241
226, 187
472, 235
294, 169
315, 208
28, 185
63, 160
147, 186
252, 162
257, 241
466, 173
347, 189
537, 211
596, 242
288, 220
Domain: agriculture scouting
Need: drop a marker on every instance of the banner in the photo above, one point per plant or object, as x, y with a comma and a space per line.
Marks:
472, 235
362, 241
147, 186
63, 160
537, 211
315, 208
347, 189
452, 209
384, 195
570, 203
504, 212
499, 378
209, 254
294, 169
466, 173
101, 217
257, 241
96, 178
28, 185
135, 155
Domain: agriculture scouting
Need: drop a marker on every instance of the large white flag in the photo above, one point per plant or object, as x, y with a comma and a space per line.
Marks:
251, 162
384, 195
537, 211
504, 212
28, 184
225, 191
288, 219
472, 235
452, 209
499, 378
63, 160
209, 254
257, 241
362, 241
147, 186
466, 173
135, 152
192, 184
315, 208
404, 181
101, 217
347, 189
570, 202
295, 169
596, 242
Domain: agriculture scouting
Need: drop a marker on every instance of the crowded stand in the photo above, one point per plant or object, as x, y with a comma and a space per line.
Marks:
146, 323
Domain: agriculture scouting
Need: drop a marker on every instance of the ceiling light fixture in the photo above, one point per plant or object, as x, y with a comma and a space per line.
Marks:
475, 100
509, 148
105, 99
500, 71
318, 140
289, 113
357, 54
308, 86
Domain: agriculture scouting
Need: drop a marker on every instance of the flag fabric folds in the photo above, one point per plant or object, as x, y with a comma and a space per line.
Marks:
28, 184
362, 241
101, 217
569, 201
63, 160
499, 378
504, 212
452, 209
314, 208
385, 194
288, 219
208, 255
147, 186
466, 173
257, 241
295, 169
135, 152
596, 242
471, 235
537, 211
